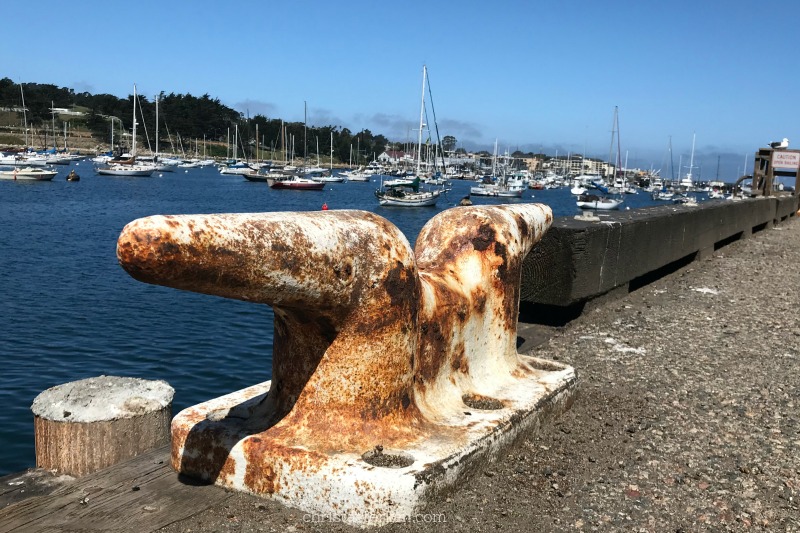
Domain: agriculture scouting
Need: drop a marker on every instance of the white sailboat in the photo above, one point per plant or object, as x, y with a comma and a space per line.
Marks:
617, 183
687, 183
327, 176
128, 167
408, 193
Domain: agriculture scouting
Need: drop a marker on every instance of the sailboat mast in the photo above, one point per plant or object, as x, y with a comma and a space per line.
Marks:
613, 131
53, 120
156, 127
283, 141
133, 142
691, 160
24, 114
494, 160
421, 116
619, 150
305, 132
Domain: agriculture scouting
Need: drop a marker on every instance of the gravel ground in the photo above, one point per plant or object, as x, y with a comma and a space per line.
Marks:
687, 417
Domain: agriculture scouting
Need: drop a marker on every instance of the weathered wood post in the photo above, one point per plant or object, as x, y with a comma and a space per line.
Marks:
84, 426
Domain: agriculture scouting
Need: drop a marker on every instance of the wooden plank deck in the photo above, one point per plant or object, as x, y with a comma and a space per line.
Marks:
143, 494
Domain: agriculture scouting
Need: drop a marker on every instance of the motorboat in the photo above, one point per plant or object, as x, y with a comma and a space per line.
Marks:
28, 173
327, 177
593, 201
282, 181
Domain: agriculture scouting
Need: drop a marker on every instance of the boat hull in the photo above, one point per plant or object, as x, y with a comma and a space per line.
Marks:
255, 176
28, 174
496, 192
125, 171
421, 199
605, 204
298, 184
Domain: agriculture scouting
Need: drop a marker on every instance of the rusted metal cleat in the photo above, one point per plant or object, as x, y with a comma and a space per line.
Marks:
394, 371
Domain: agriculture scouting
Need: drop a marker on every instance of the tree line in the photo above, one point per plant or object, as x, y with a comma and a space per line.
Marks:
185, 119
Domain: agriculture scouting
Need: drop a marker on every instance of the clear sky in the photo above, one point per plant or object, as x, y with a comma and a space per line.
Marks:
533, 74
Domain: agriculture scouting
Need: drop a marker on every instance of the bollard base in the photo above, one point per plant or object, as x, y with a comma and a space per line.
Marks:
216, 442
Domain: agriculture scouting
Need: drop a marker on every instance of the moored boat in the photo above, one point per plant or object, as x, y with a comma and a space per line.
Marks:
327, 177
593, 201
28, 173
128, 166
294, 182
405, 192
407, 196
499, 190
126, 170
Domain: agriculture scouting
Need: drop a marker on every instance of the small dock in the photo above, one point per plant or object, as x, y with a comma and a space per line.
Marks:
142, 494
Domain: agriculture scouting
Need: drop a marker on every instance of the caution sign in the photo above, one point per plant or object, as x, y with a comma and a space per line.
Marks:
782, 159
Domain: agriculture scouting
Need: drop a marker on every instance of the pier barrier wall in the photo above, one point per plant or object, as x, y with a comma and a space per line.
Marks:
578, 261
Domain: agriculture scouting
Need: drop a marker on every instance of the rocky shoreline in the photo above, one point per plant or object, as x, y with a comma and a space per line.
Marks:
687, 418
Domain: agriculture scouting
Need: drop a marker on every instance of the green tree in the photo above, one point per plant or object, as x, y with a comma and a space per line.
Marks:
449, 143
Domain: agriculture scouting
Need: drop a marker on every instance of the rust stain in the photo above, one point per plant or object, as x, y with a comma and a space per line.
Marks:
484, 237
459, 361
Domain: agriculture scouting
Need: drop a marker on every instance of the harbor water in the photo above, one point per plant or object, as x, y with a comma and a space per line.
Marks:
68, 311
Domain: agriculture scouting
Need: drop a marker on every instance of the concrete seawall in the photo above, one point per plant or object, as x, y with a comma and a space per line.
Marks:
578, 262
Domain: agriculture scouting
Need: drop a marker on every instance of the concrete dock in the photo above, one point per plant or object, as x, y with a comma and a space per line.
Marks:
687, 419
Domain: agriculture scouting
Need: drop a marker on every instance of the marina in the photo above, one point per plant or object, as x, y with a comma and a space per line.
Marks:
616, 342
73, 313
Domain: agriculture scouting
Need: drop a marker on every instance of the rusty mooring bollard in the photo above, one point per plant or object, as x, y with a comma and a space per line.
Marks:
393, 374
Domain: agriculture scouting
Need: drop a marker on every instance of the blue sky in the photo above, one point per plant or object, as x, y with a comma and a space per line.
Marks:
534, 75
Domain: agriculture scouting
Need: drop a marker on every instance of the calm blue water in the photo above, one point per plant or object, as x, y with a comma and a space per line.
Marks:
68, 311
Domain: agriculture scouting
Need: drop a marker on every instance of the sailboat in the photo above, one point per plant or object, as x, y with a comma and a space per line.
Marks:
587, 200
687, 183
327, 176
162, 165
408, 193
128, 167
